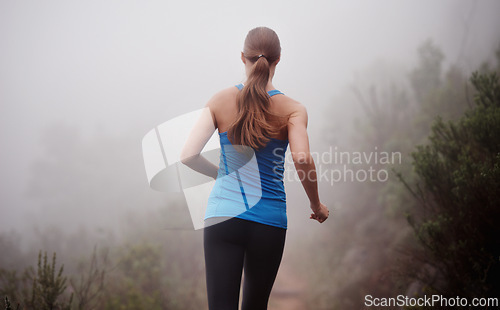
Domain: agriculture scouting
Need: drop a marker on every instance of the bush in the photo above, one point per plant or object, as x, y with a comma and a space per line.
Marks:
457, 217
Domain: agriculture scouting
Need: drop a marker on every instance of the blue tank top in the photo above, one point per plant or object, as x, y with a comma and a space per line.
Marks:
249, 183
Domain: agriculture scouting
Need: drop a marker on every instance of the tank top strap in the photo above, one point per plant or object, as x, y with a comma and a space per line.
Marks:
274, 92
270, 93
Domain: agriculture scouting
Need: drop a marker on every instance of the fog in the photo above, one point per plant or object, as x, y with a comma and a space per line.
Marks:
81, 82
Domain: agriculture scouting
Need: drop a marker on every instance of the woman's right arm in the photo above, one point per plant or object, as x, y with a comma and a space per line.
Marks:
304, 163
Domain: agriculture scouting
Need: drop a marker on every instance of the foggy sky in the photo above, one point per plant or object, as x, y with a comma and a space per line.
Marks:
122, 67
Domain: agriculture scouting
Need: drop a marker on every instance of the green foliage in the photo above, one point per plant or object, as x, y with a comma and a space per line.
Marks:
17, 287
150, 276
137, 285
135, 275
139, 275
48, 287
457, 223
373, 247
7, 304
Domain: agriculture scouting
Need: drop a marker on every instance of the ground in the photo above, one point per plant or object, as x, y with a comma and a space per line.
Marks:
288, 291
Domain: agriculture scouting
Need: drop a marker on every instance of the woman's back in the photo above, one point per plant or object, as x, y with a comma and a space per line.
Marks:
224, 109
250, 182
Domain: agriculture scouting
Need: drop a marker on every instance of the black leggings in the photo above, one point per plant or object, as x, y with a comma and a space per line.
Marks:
234, 245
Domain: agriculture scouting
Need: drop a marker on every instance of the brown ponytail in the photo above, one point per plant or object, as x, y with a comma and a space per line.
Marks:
253, 125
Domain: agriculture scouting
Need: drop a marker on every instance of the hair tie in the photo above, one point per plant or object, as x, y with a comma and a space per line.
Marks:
262, 56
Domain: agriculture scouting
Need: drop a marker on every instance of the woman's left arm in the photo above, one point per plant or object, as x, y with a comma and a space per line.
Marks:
198, 138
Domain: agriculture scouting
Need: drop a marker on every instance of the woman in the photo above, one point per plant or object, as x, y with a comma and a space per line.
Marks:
245, 220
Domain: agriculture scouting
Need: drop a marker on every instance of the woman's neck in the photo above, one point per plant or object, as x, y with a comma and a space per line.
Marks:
269, 85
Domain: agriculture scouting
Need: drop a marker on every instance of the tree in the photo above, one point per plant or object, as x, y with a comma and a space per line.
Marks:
458, 211
48, 287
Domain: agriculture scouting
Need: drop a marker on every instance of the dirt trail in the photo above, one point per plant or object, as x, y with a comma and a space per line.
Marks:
288, 291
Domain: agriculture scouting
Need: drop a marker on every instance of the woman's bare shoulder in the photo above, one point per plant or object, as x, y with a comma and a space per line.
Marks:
292, 106
221, 97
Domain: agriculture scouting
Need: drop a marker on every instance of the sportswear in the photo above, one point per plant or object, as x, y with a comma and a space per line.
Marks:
234, 245
249, 182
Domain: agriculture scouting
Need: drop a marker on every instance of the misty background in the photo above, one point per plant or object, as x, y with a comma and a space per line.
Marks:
82, 82
77, 71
